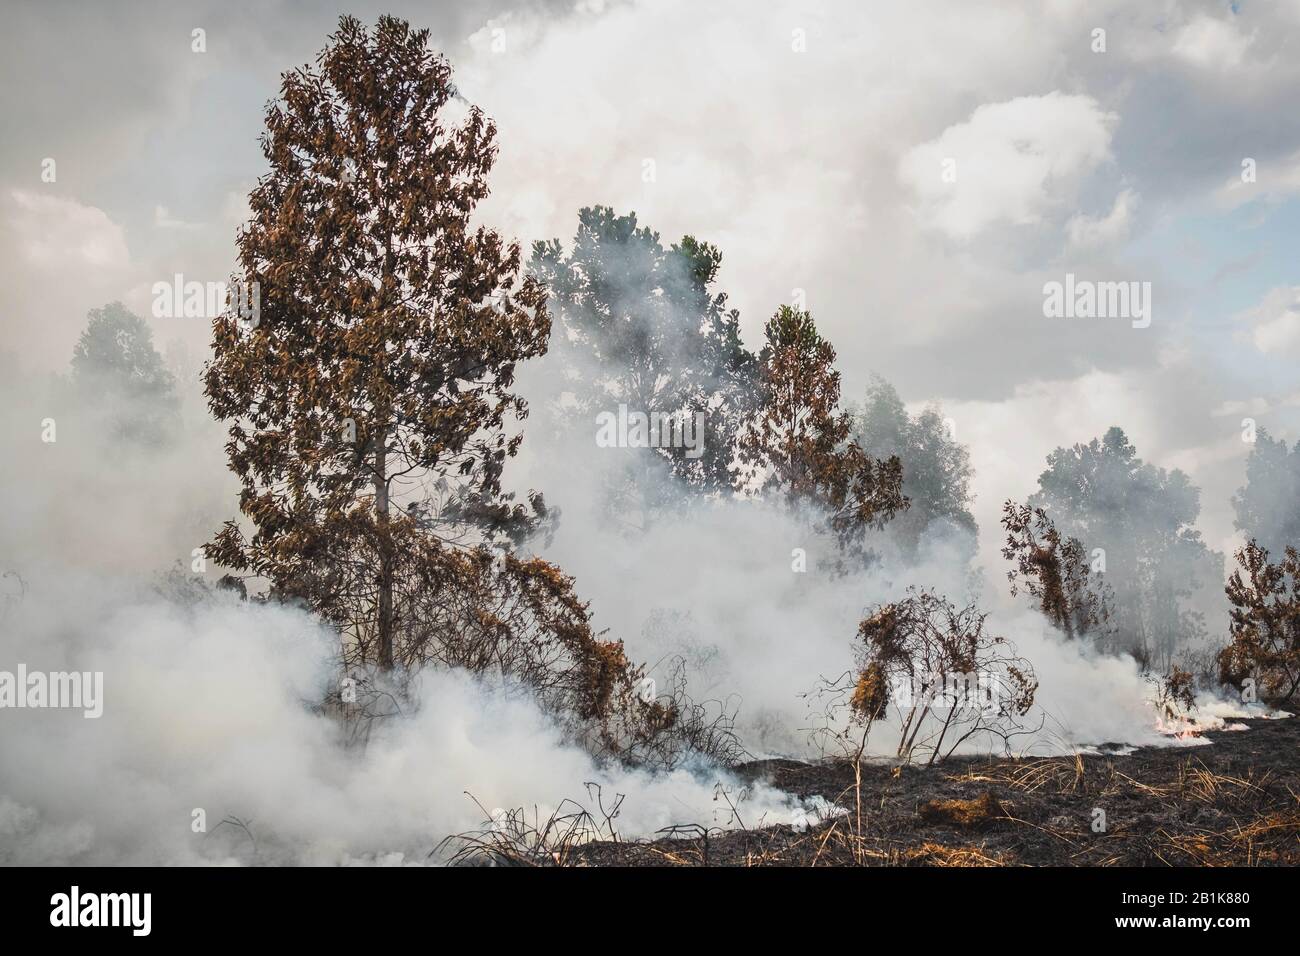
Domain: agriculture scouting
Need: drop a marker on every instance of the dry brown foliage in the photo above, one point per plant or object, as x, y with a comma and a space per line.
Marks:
1264, 624
799, 443
512, 622
948, 679
962, 813
1175, 695
383, 358
368, 403
1054, 570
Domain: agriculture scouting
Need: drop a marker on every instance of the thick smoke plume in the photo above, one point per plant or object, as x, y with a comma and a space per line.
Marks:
213, 704
216, 743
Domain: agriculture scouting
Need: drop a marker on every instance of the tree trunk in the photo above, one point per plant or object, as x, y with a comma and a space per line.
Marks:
385, 557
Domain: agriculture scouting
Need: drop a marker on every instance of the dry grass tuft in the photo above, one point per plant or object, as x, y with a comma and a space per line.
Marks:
963, 813
936, 854
1056, 775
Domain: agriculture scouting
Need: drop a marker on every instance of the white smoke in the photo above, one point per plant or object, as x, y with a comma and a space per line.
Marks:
715, 582
210, 708
212, 704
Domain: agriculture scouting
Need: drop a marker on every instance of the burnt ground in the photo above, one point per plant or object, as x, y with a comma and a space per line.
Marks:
1233, 802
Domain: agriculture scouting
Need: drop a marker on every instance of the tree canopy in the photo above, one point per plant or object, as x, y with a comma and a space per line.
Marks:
800, 444
936, 468
1142, 517
1268, 505
379, 372
117, 373
642, 325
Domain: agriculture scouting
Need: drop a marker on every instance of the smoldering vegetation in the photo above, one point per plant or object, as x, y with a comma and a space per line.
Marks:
1231, 803
368, 588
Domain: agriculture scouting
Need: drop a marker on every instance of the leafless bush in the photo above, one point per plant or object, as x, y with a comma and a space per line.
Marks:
704, 729
1203, 663
947, 680
363, 698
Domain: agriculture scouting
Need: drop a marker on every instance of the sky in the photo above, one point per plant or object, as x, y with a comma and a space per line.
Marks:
914, 173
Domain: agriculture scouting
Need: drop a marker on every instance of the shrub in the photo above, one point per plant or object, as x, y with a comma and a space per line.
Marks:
1264, 624
945, 676
1053, 569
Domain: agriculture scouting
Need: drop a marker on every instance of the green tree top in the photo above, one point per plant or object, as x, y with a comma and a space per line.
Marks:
117, 372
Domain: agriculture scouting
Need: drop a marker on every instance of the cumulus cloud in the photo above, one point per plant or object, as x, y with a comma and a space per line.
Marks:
1088, 231
1275, 182
1212, 42
163, 219
789, 161
1275, 322
56, 233
60, 257
1014, 162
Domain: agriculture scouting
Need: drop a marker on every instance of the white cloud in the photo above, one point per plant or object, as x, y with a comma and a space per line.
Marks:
234, 208
53, 232
163, 219
1210, 43
790, 162
1086, 231
1273, 180
1275, 322
1250, 406
60, 258
1014, 162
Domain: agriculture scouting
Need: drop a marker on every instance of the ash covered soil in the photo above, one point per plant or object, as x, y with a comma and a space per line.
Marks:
1233, 801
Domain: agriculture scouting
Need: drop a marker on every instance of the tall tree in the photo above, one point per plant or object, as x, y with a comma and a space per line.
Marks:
117, 373
1142, 517
641, 325
799, 442
1268, 506
936, 468
370, 400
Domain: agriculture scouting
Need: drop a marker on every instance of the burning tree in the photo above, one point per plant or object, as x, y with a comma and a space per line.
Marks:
799, 443
1053, 569
946, 677
1264, 623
